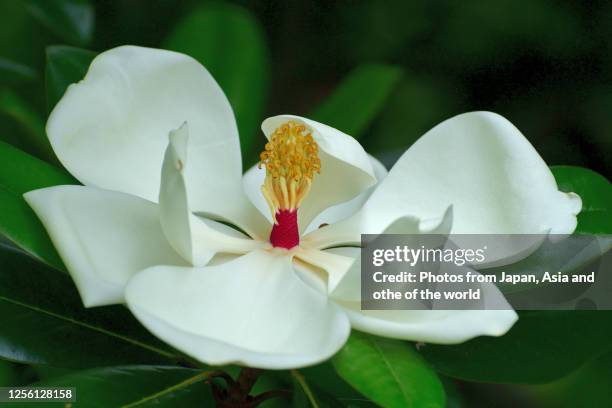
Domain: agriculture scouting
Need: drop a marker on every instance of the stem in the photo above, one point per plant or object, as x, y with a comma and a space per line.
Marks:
242, 387
237, 395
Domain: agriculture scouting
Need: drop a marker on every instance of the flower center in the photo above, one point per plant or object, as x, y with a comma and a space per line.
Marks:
291, 158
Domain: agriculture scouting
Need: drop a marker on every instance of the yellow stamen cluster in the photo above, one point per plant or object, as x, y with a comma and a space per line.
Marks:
291, 159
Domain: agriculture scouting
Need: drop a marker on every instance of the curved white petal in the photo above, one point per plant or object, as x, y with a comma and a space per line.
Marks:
431, 326
251, 311
348, 232
484, 167
104, 237
110, 129
195, 239
346, 170
344, 210
253, 179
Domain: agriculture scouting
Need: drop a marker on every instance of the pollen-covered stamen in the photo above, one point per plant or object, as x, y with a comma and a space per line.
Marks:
291, 159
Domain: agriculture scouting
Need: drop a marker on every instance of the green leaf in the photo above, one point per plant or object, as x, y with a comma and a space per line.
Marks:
454, 398
303, 396
540, 347
230, 43
306, 396
418, 103
596, 194
72, 20
30, 121
389, 372
8, 375
587, 387
65, 65
324, 379
20, 173
135, 386
44, 322
14, 73
360, 97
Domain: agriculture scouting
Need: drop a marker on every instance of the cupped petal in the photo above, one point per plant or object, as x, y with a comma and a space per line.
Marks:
251, 311
346, 169
110, 130
104, 237
194, 238
254, 177
486, 169
344, 210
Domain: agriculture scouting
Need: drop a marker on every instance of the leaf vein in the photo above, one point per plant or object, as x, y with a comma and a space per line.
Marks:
90, 327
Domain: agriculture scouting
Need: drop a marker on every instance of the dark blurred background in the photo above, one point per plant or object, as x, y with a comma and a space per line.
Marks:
545, 65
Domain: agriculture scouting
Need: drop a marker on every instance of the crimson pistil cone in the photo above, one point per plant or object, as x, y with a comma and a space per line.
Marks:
285, 233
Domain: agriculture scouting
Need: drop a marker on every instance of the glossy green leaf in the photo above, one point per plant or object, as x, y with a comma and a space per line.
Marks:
324, 380
47, 372
230, 43
65, 65
135, 386
32, 124
359, 98
13, 73
540, 347
20, 173
389, 372
72, 20
596, 194
44, 322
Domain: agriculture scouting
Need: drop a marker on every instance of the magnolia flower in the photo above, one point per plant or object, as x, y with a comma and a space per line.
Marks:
263, 269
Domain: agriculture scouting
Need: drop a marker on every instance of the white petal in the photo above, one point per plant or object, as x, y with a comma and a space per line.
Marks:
253, 179
104, 237
348, 232
193, 238
252, 311
485, 168
431, 326
346, 169
349, 289
334, 265
110, 130
344, 210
